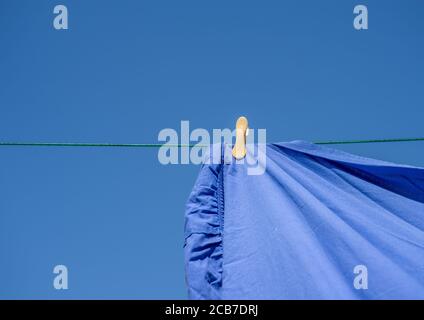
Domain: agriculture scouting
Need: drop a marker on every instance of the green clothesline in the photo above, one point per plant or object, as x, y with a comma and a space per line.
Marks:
370, 141
158, 145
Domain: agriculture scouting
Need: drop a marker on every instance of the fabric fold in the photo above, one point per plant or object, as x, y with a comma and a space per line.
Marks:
203, 234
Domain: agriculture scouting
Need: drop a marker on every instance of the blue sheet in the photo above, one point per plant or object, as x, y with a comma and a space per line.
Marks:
318, 224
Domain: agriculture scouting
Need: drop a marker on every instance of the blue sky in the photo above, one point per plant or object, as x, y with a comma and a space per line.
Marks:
126, 70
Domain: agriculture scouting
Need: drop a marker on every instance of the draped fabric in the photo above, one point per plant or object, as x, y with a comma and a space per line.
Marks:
317, 224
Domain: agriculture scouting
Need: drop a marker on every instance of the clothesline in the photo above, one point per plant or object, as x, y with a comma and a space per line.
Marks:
158, 145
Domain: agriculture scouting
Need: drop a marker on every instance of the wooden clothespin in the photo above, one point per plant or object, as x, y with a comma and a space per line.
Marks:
239, 150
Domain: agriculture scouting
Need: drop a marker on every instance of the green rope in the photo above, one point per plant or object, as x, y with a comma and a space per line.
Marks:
370, 141
72, 144
158, 145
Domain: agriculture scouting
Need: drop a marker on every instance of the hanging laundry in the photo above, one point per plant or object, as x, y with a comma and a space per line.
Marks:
318, 224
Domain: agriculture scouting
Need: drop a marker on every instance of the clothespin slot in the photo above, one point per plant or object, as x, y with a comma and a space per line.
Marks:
242, 130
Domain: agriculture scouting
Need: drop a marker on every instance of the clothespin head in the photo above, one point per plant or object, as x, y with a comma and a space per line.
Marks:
239, 149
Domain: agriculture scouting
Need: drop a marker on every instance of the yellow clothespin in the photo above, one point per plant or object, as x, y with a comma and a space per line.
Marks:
239, 150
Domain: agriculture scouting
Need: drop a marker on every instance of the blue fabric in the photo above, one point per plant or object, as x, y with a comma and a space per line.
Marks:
298, 230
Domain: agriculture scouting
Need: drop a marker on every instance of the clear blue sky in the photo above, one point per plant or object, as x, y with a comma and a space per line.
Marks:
127, 69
